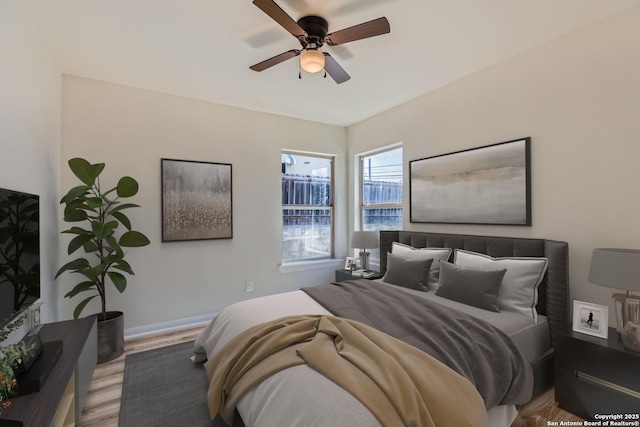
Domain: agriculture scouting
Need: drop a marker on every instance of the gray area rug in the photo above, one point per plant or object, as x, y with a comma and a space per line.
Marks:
163, 388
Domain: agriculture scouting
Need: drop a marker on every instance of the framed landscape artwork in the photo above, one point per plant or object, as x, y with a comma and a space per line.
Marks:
485, 185
196, 200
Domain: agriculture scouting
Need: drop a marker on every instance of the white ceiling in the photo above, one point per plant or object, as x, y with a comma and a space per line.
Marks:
203, 48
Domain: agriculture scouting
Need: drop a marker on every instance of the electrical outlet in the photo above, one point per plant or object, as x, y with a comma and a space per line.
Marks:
248, 286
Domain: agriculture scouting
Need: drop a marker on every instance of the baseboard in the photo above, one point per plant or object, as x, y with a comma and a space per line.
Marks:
171, 325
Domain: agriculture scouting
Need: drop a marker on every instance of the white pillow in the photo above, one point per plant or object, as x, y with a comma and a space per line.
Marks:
519, 290
437, 254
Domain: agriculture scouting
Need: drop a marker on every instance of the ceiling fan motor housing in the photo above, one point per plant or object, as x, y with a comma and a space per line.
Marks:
316, 29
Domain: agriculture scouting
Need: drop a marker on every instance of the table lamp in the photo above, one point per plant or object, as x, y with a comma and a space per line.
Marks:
364, 240
620, 269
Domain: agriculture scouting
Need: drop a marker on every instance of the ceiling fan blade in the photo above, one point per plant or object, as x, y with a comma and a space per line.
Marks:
280, 16
358, 32
261, 66
334, 69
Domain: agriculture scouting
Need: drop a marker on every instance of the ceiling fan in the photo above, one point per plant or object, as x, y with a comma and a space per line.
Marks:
311, 31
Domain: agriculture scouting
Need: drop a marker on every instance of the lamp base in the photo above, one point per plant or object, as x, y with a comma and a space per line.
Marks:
627, 309
631, 336
619, 302
364, 260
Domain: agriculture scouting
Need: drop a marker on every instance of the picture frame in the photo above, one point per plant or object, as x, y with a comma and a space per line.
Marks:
488, 185
591, 319
34, 317
196, 200
350, 263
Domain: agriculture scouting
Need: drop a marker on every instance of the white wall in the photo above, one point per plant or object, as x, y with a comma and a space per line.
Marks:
131, 130
30, 90
578, 98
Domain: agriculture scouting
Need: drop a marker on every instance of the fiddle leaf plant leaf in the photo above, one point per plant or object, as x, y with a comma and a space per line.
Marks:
123, 266
127, 187
80, 287
92, 274
75, 205
112, 245
75, 194
119, 251
119, 281
78, 242
75, 215
124, 220
76, 230
132, 239
90, 247
102, 230
113, 224
85, 171
81, 306
94, 203
76, 264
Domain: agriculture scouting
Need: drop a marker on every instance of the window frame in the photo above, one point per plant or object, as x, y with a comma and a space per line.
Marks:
364, 207
330, 207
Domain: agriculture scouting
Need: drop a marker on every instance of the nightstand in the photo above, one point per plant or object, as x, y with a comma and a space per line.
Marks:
596, 376
342, 275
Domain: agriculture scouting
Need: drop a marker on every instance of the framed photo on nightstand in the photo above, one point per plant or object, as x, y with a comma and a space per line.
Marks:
591, 319
350, 263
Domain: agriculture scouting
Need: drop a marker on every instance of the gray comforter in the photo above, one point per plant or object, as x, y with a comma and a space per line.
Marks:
475, 349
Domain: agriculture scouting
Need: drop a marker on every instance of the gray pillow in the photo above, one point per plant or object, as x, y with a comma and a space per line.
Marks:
472, 286
407, 272
519, 291
436, 254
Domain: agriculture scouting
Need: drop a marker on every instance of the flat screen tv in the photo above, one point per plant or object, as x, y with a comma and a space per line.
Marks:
19, 253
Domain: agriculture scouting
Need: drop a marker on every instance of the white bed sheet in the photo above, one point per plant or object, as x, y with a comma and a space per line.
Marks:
325, 403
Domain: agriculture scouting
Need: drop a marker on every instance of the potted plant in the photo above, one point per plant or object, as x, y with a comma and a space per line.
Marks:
10, 356
101, 230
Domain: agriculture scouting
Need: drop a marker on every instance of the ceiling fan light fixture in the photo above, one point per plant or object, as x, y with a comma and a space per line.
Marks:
312, 60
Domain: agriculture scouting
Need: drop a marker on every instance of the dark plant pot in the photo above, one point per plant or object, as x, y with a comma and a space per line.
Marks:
110, 336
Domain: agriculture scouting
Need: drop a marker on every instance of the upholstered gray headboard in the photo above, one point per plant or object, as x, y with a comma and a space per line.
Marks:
553, 293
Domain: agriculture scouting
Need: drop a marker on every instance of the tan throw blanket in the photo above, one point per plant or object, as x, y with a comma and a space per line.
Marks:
399, 384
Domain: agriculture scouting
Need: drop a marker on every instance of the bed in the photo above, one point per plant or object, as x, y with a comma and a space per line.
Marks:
285, 397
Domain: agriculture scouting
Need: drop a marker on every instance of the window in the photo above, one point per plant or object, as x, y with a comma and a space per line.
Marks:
381, 177
307, 207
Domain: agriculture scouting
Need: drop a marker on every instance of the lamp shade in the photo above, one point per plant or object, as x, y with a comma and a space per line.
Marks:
616, 268
312, 60
364, 239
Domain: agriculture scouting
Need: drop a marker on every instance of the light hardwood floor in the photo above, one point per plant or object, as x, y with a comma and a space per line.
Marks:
102, 406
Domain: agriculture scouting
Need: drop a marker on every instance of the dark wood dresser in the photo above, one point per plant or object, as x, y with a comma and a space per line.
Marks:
61, 398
